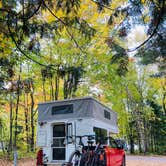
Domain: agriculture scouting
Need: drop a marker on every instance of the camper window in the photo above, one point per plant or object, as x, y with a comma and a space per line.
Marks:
62, 109
100, 134
107, 115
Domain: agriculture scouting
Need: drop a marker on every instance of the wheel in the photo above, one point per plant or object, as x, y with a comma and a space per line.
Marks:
86, 159
124, 161
75, 158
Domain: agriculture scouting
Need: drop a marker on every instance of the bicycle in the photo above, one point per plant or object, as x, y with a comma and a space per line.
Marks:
94, 157
76, 158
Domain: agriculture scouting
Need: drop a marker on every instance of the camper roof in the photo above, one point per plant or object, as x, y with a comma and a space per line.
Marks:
86, 107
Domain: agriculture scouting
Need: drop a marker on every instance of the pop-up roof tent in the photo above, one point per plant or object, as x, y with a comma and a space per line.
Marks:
87, 116
78, 108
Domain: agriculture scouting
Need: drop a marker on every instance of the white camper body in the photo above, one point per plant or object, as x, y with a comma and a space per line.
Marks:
58, 120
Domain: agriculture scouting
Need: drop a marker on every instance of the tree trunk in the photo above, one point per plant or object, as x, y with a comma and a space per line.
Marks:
51, 90
2, 147
17, 105
26, 121
16, 117
139, 127
56, 87
131, 144
32, 120
44, 91
146, 132
164, 102
11, 126
65, 93
163, 85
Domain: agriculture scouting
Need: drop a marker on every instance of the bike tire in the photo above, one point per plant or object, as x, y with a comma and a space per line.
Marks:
75, 158
86, 159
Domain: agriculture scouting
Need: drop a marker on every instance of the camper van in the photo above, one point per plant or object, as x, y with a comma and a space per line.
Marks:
60, 120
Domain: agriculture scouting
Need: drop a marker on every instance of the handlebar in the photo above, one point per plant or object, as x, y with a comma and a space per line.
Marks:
90, 137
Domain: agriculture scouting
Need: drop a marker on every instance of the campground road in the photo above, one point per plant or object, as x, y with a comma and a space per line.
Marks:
146, 161
130, 160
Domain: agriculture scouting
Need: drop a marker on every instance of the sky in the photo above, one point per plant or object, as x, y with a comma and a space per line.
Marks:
136, 36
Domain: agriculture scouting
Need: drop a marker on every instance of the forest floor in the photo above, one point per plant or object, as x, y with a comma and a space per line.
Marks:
130, 160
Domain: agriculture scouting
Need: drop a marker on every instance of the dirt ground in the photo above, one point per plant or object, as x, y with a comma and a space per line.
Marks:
130, 160
145, 161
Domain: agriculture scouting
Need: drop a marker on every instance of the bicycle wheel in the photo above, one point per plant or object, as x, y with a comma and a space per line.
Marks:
98, 159
86, 159
75, 158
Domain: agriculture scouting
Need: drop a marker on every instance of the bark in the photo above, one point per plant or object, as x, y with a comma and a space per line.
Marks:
44, 91
164, 102
65, 93
131, 144
164, 97
16, 117
2, 147
51, 89
17, 106
146, 132
10, 148
26, 121
131, 138
139, 126
32, 120
56, 87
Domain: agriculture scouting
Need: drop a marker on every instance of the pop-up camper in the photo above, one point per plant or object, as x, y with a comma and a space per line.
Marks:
58, 120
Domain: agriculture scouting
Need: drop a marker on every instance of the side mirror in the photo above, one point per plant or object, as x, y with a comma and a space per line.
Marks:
119, 144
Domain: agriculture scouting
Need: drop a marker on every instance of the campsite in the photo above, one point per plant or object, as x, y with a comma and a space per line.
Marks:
82, 82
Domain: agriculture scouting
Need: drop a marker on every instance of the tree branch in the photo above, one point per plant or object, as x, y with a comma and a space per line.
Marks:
64, 23
154, 31
104, 6
17, 45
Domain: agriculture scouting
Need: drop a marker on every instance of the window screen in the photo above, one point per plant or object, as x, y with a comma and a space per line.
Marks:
59, 130
58, 154
100, 134
107, 114
62, 109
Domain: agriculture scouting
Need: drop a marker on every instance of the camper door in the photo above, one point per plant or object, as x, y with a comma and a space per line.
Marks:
58, 146
62, 141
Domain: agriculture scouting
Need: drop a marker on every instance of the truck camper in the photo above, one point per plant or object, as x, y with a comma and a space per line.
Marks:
60, 121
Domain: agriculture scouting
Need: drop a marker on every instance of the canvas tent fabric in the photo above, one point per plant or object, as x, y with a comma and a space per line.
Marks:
82, 108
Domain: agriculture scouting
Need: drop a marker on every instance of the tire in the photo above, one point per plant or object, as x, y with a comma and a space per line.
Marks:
75, 158
86, 159
124, 161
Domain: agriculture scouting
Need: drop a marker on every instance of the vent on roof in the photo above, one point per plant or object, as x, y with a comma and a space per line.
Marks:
107, 114
62, 109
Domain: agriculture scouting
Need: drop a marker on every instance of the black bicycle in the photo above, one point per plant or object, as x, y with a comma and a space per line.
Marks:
95, 157
77, 158
87, 155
